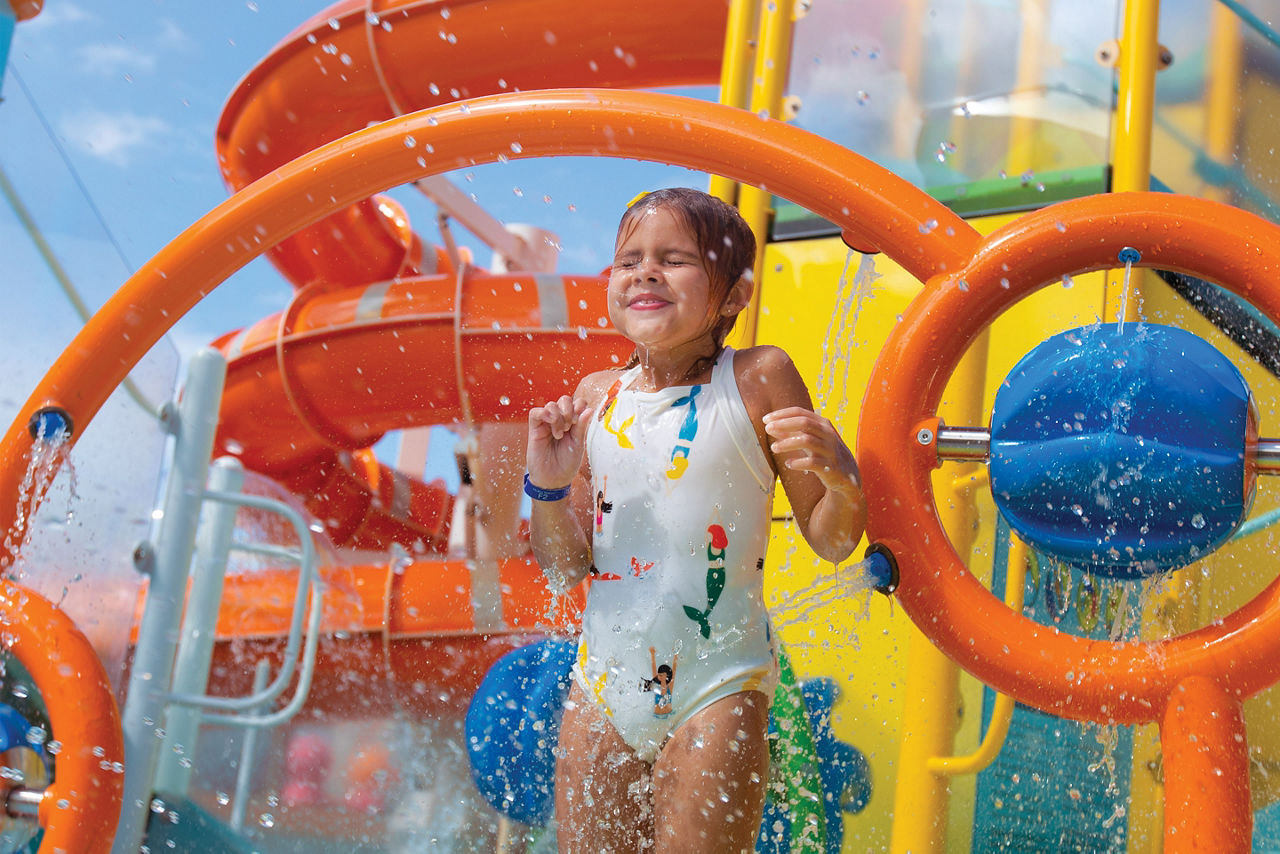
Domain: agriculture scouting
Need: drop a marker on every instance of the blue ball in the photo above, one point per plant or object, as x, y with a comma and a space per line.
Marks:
1122, 449
512, 726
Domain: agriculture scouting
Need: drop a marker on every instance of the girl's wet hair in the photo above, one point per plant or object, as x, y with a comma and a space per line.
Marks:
723, 238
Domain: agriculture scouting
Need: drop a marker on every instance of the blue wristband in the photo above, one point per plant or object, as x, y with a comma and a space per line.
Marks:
537, 493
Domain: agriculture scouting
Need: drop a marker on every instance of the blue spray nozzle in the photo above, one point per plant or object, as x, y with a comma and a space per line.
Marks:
1129, 255
50, 423
882, 568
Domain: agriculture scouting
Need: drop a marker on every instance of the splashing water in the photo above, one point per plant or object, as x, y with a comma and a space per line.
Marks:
48, 456
1108, 737
836, 589
839, 342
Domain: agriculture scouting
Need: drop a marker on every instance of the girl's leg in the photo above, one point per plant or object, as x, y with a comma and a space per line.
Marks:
603, 792
709, 781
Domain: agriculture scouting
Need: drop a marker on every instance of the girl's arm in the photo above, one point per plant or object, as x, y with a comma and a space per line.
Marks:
816, 467
556, 457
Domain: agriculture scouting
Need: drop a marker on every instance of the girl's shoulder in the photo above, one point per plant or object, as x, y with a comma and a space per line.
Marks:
760, 360
594, 386
768, 379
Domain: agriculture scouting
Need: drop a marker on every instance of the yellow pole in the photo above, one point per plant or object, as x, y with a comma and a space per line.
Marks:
1131, 159
1131, 171
735, 68
773, 57
1222, 102
929, 716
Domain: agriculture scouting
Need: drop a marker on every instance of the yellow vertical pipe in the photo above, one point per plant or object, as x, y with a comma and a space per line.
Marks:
1131, 171
1183, 608
773, 56
929, 716
1131, 148
735, 70
1222, 101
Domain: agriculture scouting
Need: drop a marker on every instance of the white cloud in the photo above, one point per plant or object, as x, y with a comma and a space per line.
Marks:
115, 59
114, 137
172, 36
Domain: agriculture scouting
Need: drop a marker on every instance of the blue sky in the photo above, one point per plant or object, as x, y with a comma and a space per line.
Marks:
106, 132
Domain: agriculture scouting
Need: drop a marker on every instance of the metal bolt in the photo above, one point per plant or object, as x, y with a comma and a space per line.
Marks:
925, 436
144, 557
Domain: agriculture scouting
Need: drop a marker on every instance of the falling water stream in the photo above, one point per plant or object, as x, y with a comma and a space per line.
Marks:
1128, 255
837, 346
49, 455
839, 588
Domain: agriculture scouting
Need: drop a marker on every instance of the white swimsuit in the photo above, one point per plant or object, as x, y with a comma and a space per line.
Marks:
675, 617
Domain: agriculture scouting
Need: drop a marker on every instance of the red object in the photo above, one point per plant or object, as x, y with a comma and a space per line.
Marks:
306, 766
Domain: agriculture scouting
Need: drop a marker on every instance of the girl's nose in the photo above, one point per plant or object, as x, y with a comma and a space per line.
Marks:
647, 271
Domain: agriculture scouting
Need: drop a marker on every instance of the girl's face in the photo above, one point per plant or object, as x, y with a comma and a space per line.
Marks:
659, 292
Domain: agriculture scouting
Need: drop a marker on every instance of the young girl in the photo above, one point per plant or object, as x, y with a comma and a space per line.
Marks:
694, 435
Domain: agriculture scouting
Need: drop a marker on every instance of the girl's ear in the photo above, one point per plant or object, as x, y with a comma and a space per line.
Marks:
739, 296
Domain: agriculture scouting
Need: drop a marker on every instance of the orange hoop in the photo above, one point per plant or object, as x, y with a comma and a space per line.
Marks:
1069, 676
80, 809
857, 195
1194, 683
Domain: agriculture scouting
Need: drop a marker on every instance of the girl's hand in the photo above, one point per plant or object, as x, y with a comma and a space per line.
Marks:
805, 441
557, 441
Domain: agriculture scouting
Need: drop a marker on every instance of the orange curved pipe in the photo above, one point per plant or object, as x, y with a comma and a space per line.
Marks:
1069, 676
821, 175
374, 61
81, 807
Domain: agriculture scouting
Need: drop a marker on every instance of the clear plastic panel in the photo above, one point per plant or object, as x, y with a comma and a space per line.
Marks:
80, 548
987, 105
1213, 133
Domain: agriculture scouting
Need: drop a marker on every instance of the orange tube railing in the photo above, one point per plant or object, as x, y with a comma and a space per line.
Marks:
81, 807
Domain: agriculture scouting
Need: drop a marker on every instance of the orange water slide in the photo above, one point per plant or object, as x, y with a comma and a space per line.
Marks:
412, 638
380, 337
360, 62
335, 371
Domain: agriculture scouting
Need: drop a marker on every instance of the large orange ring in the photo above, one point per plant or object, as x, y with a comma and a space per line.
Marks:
1069, 676
81, 807
871, 204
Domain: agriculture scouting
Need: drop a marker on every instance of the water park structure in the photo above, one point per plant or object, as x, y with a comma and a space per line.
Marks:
1033, 281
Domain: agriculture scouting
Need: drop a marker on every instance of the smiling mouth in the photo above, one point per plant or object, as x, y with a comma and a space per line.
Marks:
647, 302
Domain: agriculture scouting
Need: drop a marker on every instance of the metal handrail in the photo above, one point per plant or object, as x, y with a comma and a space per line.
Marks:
306, 586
